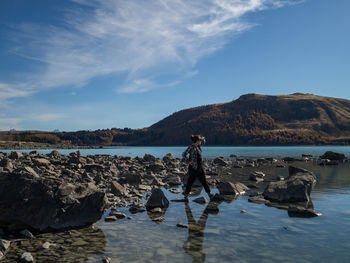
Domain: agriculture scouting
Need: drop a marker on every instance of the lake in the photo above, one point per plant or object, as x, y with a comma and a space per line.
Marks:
210, 151
262, 234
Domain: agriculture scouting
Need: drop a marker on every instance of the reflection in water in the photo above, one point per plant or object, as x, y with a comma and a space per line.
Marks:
71, 246
193, 246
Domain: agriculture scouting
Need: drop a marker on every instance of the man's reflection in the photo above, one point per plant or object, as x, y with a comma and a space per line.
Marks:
193, 246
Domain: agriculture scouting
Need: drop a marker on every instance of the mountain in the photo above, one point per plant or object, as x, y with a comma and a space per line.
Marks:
252, 119
256, 120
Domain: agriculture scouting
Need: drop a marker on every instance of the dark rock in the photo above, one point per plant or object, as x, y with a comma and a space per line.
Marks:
135, 209
220, 161
212, 209
6, 163
111, 218
117, 189
289, 159
298, 211
306, 155
27, 234
259, 199
157, 199
94, 167
181, 225
55, 154
226, 188
200, 200
149, 158
44, 203
333, 156
296, 188
15, 155
257, 176
156, 167
133, 178
179, 200
217, 198
118, 215
168, 158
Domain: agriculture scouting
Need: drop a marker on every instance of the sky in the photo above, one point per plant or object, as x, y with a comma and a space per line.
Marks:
86, 65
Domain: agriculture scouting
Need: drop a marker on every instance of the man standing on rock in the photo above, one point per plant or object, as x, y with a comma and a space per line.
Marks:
195, 167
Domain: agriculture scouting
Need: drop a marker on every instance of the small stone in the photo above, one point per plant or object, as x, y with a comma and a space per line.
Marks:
200, 200
27, 234
243, 212
158, 219
46, 245
181, 225
175, 191
106, 259
110, 218
4, 244
27, 257
117, 214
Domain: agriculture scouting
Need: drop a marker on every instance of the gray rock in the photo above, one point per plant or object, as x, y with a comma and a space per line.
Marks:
157, 199
41, 162
65, 206
296, 188
4, 244
46, 245
26, 257
156, 167
118, 189
200, 200
226, 188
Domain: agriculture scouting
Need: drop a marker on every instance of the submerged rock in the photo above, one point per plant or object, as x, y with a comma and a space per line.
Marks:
298, 211
333, 156
226, 188
296, 188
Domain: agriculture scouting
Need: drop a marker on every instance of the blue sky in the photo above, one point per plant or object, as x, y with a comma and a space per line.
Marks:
79, 64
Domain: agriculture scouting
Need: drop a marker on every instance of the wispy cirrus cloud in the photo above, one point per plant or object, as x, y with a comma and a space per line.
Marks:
145, 40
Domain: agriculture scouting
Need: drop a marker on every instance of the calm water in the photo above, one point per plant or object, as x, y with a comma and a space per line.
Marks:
212, 152
263, 234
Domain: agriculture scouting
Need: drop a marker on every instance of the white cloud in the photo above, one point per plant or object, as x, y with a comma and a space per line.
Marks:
9, 123
144, 39
45, 117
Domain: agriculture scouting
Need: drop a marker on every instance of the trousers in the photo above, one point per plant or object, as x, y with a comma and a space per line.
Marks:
192, 175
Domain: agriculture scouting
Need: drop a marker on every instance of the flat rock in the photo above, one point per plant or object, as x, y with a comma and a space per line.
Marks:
181, 225
4, 244
298, 211
201, 200
118, 189
111, 218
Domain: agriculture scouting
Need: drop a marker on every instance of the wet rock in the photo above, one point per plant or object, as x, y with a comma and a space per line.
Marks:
22, 203
26, 257
217, 198
156, 210
118, 215
111, 218
157, 199
27, 234
181, 225
135, 209
298, 211
220, 161
4, 245
259, 199
333, 156
173, 181
179, 200
227, 188
212, 209
118, 189
158, 219
200, 200
243, 212
296, 188
175, 191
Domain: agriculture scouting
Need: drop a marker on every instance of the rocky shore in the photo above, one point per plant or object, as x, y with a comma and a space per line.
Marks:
54, 193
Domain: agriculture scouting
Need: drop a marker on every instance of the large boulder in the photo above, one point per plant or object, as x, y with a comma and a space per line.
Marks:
46, 203
333, 156
296, 188
157, 199
226, 188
